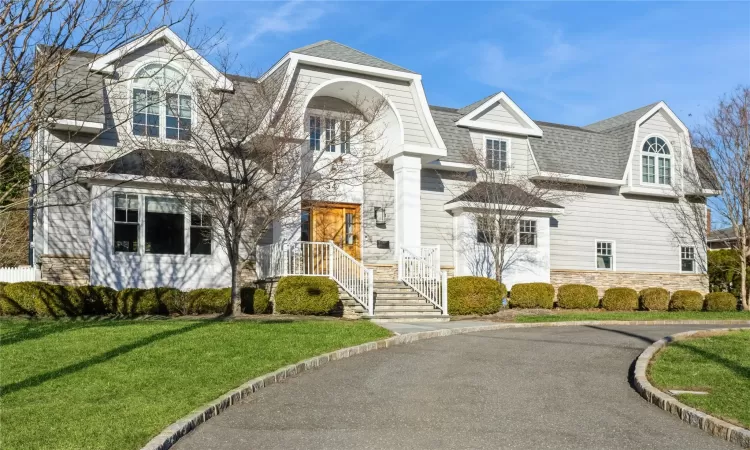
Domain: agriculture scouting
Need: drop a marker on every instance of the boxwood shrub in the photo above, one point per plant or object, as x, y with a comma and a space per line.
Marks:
206, 301
620, 299
306, 295
686, 301
474, 295
91, 300
37, 298
577, 296
136, 302
654, 299
721, 301
531, 295
255, 301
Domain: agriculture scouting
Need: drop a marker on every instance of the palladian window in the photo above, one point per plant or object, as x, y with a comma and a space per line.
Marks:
656, 161
162, 105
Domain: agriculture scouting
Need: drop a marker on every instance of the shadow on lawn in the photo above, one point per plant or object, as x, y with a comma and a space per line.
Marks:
37, 329
739, 369
104, 357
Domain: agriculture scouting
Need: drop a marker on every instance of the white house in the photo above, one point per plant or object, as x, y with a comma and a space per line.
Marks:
118, 227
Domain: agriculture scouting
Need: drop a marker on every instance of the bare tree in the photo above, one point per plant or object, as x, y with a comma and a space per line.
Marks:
45, 49
726, 139
251, 157
502, 201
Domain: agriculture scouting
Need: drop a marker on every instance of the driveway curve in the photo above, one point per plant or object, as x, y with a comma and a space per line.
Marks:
534, 388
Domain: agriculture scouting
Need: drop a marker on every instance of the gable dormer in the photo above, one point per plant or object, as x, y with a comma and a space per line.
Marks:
498, 113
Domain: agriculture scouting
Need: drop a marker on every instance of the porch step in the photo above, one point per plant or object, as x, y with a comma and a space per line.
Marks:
424, 318
394, 301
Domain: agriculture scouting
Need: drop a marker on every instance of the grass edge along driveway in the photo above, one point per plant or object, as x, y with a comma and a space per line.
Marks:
717, 363
572, 315
117, 383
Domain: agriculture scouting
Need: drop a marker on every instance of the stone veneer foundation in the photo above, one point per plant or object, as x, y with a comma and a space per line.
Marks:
66, 269
604, 280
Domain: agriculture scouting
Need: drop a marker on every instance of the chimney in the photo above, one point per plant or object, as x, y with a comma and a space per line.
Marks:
708, 220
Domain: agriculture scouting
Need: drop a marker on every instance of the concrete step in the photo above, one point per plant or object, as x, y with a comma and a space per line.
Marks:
387, 308
432, 318
405, 312
410, 295
381, 302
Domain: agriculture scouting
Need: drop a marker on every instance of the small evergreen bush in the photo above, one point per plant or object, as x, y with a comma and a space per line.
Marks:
474, 295
137, 302
307, 295
531, 295
721, 301
577, 296
208, 301
37, 298
255, 301
654, 299
686, 301
620, 299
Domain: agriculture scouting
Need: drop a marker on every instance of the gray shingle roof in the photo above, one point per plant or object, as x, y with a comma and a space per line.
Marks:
621, 119
457, 139
706, 173
499, 193
340, 52
76, 93
158, 163
721, 234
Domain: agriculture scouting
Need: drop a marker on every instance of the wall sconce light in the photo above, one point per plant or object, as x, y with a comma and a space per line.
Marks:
379, 215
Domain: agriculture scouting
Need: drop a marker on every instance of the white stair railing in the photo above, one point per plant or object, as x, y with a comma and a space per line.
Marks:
322, 259
419, 267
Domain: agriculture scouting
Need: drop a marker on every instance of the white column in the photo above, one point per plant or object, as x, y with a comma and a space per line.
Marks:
407, 182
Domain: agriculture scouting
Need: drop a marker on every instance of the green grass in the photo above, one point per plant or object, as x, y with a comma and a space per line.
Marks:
565, 316
117, 383
717, 364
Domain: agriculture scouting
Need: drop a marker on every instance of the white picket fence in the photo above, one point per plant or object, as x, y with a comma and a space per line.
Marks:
17, 274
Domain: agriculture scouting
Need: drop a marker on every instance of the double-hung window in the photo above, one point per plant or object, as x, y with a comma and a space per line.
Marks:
527, 232
146, 113
687, 259
200, 229
179, 117
656, 161
605, 255
496, 154
485, 234
345, 136
507, 231
315, 133
331, 135
127, 229
349, 228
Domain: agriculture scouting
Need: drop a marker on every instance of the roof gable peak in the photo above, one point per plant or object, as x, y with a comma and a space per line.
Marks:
470, 118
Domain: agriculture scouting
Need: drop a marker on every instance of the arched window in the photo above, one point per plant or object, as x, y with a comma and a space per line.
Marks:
656, 161
162, 105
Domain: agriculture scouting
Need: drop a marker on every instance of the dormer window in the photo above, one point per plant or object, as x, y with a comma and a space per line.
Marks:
656, 161
496, 153
162, 105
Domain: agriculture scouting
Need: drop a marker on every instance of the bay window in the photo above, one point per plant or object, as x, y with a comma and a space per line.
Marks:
200, 229
127, 223
527, 232
164, 222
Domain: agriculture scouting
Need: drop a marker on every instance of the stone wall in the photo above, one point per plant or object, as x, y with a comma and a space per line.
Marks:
603, 280
66, 269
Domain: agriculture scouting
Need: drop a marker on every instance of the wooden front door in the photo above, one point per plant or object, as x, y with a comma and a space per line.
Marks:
337, 222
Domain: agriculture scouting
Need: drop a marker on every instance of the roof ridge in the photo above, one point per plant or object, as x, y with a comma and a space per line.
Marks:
309, 46
598, 123
443, 108
329, 41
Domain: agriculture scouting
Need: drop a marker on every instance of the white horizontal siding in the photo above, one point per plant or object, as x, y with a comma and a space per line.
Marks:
643, 242
659, 125
378, 192
437, 189
499, 114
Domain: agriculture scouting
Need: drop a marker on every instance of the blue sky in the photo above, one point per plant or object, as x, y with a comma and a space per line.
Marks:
572, 63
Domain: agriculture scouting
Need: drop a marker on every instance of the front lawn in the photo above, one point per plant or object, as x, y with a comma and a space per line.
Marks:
566, 316
718, 364
117, 383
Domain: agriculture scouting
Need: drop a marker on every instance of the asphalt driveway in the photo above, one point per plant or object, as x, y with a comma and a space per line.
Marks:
536, 388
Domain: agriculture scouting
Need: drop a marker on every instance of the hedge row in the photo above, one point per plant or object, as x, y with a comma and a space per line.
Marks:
36, 298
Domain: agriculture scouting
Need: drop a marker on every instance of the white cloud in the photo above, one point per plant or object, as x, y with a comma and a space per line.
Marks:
288, 18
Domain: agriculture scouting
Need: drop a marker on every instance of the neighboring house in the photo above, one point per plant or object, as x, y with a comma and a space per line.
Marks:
633, 167
721, 239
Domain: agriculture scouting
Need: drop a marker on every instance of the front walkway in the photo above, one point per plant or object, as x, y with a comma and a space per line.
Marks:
556, 387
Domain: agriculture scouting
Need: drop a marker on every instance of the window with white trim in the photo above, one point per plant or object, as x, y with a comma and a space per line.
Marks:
605, 255
527, 232
656, 161
687, 259
315, 133
200, 229
162, 106
484, 231
164, 226
127, 223
331, 135
496, 153
345, 136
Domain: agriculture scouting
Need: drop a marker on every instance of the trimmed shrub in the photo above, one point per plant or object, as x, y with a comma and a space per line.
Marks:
620, 299
577, 296
474, 295
721, 301
532, 295
104, 300
686, 301
208, 301
136, 302
7, 306
654, 299
37, 298
255, 301
307, 295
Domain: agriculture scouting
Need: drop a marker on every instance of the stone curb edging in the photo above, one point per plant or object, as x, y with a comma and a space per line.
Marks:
174, 432
694, 417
